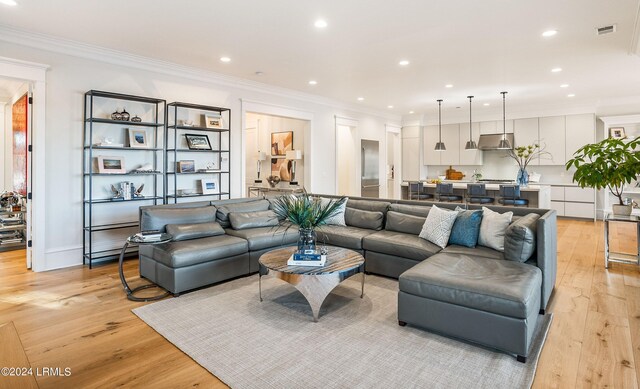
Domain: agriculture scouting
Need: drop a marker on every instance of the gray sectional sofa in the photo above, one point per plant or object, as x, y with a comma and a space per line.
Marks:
469, 293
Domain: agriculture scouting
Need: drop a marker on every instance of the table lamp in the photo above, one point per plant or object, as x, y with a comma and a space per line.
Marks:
260, 156
293, 155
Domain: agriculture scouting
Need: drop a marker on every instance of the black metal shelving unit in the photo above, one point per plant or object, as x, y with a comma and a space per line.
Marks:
177, 114
98, 106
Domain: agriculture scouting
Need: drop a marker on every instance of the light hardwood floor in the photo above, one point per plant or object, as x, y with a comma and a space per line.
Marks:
80, 318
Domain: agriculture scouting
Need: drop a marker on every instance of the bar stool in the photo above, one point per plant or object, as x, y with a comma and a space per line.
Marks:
416, 191
477, 194
510, 195
445, 193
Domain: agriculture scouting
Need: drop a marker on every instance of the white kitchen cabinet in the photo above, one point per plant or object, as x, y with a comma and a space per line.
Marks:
552, 136
580, 130
489, 127
558, 206
557, 193
584, 210
410, 159
525, 133
577, 194
573, 201
451, 139
431, 157
469, 157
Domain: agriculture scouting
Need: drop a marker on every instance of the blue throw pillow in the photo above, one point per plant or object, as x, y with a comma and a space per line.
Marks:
466, 228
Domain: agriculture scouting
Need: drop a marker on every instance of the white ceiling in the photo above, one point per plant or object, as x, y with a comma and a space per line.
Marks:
481, 47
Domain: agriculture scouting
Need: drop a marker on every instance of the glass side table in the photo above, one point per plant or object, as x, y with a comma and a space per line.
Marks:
610, 256
133, 239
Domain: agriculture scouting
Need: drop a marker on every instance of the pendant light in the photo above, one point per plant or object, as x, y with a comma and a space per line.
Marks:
440, 145
504, 143
471, 144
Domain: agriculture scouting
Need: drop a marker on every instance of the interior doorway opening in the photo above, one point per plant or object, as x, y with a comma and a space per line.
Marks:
347, 158
394, 158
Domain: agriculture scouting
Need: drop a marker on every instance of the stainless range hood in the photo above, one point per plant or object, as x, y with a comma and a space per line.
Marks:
491, 141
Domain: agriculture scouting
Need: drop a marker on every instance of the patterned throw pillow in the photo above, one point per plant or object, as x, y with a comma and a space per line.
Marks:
338, 218
493, 227
466, 228
437, 227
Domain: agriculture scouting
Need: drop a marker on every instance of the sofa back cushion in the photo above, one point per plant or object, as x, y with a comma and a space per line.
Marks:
371, 220
415, 210
222, 215
244, 220
401, 222
369, 205
156, 218
520, 238
194, 230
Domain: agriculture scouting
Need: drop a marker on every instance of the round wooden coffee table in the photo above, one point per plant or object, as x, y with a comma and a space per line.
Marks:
315, 283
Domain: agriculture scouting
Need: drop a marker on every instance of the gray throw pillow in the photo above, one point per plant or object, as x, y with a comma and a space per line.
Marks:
493, 227
370, 220
338, 218
437, 227
194, 230
520, 238
244, 220
222, 216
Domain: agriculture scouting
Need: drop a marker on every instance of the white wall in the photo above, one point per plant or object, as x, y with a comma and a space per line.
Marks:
70, 77
346, 159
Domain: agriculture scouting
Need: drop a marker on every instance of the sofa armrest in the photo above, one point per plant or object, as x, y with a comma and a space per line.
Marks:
547, 253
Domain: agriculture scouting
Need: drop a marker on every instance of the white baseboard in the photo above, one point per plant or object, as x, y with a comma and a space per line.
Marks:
59, 258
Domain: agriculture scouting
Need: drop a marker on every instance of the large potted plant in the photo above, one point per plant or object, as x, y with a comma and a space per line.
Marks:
308, 213
611, 164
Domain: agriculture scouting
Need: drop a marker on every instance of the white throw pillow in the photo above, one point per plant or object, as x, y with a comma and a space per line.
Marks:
493, 227
338, 218
437, 228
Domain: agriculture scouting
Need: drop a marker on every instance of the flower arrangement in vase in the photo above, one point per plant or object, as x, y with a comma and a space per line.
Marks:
523, 155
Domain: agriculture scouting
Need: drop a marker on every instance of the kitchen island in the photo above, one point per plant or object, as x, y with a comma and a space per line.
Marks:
539, 196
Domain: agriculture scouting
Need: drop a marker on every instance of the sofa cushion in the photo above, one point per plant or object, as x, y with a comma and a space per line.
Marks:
369, 205
338, 217
156, 218
372, 220
223, 212
415, 210
437, 227
191, 252
266, 237
194, 230
493, 227
244, 220
520, 238
466, 228
502, 287
343, 236
407, 224
399, 244
478, 251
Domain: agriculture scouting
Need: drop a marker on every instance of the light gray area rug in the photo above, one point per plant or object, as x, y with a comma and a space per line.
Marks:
357, 343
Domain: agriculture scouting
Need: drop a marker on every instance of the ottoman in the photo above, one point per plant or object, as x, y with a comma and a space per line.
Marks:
491, 302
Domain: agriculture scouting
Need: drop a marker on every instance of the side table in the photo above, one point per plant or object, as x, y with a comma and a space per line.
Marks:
610, 256
133, 239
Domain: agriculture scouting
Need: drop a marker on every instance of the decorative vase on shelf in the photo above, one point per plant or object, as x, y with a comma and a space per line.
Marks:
125, 115
116, 115
523, 177
307, 239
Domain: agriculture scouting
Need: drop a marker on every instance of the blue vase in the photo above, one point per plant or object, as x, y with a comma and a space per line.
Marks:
523, 178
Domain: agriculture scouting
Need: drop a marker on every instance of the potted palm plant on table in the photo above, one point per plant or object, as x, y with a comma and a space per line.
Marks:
308, 213
611, 164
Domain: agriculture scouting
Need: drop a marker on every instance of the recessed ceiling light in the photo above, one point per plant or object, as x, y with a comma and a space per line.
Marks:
449, 86
8, 2
486, 104
313, 82
549, 33
390, 106
404, 62
225, 59
320, 23
410, 112
564, 86
259, 73
571, 95
556, 70
360, 98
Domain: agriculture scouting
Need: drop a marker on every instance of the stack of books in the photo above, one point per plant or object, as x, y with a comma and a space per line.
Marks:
149, 236
307, 258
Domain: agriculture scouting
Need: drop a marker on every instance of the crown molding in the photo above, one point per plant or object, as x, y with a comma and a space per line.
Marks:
120, 58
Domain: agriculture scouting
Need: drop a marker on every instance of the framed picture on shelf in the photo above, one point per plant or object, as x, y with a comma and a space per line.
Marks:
210, 186
213, 121
138, 138
617, 133
111, 165
187, 166
198, 142
281, 142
